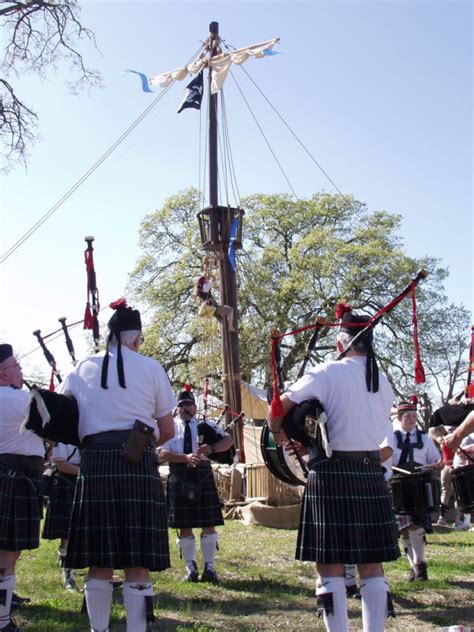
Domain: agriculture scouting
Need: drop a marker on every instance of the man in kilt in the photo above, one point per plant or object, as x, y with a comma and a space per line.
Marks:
21, 467
119, 517
66, 460
346, 515
191, 491
414, 447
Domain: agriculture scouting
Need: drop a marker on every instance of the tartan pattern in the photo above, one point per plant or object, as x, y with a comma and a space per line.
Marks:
422, 520
58, 512
20, 508
119, 512
346, 515
184, 515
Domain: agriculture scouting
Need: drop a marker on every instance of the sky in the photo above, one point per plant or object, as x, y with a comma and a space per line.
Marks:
379, 92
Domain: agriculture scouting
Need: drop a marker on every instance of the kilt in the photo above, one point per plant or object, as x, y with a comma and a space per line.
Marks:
58, 512
118, 517
421, 520
20, 505
183, 514
346, 515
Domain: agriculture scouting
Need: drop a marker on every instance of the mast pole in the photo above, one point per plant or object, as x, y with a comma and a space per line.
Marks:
228, 289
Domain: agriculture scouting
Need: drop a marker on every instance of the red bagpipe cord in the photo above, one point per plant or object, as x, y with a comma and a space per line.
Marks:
51, 380
419, 370
276, 406
89, 261
470, 369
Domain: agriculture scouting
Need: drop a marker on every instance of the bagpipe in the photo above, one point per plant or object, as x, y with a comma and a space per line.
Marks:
305, 423
454, 414
209, 435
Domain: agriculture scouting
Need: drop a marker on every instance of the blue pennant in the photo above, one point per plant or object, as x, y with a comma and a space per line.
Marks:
144, 80
231, 252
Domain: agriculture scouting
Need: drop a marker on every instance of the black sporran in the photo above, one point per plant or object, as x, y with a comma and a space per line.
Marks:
191, 492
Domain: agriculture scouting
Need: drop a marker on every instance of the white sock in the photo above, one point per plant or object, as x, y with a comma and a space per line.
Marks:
98, 593
374, 592
337, 620
408, 550
7, 584
417, 540
208, 548
350, 575
188, 549
134, 594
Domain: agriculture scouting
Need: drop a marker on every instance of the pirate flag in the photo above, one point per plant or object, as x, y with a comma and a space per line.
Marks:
193, 93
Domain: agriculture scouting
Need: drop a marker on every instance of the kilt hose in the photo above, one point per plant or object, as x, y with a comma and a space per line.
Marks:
58, 512
119, 516
420, 520
205, 511
346, 515
20, 504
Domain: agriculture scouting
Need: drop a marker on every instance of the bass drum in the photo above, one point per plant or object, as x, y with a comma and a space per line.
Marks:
281, 464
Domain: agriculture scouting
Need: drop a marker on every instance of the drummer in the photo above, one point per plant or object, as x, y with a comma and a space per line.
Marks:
414, 447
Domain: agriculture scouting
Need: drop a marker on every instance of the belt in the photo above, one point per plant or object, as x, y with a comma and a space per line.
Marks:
23, 462
110, 437
179, 467
364, 456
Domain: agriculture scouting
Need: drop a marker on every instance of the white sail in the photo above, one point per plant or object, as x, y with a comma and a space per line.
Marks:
220, 65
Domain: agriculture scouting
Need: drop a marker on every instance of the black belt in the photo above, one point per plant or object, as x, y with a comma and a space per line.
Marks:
179, 467
364, 456
23, 462
111, 437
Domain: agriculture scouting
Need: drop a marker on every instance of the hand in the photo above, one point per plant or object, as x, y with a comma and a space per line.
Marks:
438, 465
204, 450
193, 460
452, 441
295, 446
279, 437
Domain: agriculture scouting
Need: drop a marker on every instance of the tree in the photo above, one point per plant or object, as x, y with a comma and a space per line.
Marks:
301, 258
37, 35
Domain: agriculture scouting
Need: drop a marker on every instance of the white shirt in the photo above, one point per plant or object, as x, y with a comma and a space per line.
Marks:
357, 419
63, 452
176, 444
147, 395
460, 459
13, 411
427, 455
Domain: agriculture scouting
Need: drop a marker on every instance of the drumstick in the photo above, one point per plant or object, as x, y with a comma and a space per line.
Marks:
400, 469
466, 454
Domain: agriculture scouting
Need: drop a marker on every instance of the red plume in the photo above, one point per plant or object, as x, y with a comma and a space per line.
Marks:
187, 388
121, 302
414, 399
342, 308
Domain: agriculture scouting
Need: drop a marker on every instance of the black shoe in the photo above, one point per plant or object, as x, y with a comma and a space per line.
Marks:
411, 575
191, 573
421, 572
17, 601
68, 579
209, 575
353, 591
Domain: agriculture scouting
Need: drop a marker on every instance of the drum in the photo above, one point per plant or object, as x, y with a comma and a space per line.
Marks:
463, 485
289, 469
300, 423
416, 493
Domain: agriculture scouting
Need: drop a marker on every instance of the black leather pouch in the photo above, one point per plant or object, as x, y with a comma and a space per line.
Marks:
138, 440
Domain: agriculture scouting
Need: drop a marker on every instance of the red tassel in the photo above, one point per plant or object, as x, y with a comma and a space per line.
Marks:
88, 319
51, 380
121, 302
419, 370
187, 388
276, 407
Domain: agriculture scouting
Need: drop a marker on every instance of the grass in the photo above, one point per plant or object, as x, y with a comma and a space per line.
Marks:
262, 588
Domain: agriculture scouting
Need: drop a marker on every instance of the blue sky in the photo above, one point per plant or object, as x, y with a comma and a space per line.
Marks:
379, 92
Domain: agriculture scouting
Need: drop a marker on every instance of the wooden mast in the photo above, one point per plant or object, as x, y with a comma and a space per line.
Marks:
220, 224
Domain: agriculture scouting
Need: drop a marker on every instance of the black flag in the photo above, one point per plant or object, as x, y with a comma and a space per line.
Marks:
193, 94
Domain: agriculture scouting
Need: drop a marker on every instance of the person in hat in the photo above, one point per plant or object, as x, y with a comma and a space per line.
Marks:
346, 515
21, 467
191, 491
413, 448
119, 513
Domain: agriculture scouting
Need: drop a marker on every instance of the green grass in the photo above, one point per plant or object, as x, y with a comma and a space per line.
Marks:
262, 588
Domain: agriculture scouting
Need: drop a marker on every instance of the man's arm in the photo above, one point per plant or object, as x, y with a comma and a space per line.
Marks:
454, 439
166, 428
220, 446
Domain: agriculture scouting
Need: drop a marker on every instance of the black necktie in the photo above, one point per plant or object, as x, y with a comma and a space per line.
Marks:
188, 442
405, 450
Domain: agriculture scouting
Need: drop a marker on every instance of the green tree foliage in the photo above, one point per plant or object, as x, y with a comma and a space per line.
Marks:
299, 259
